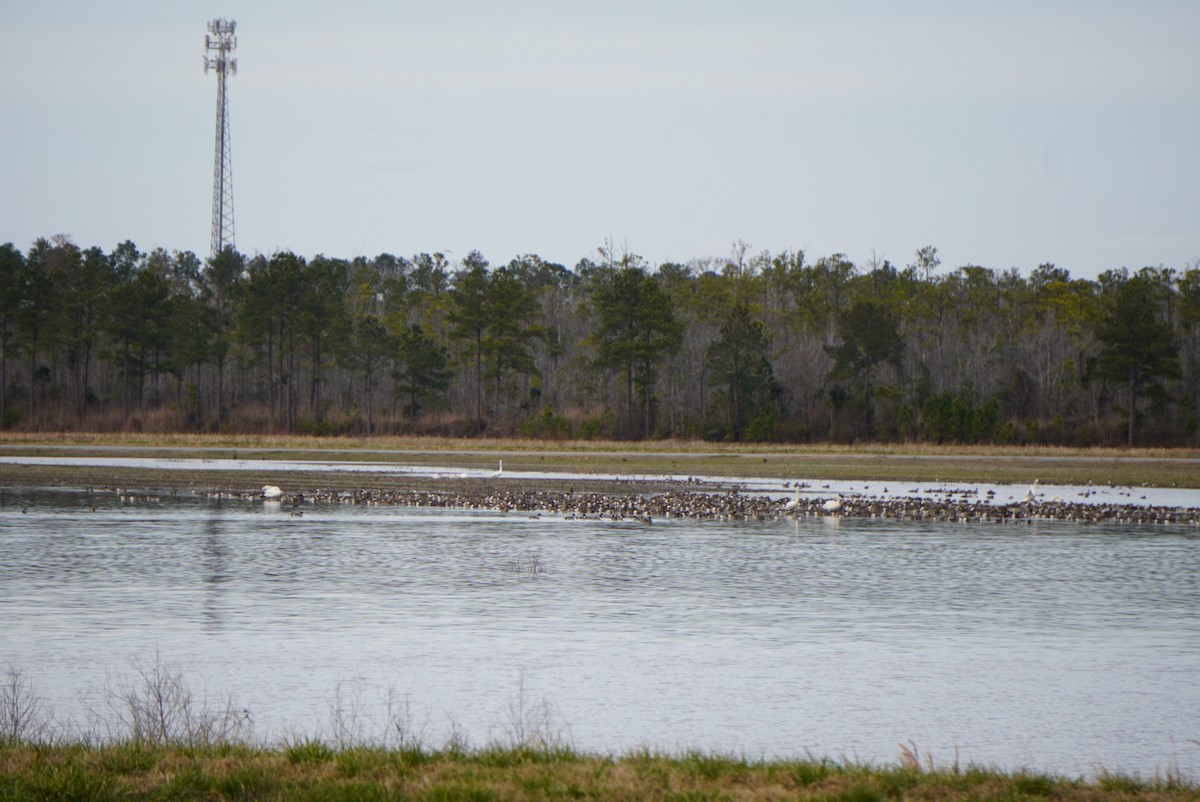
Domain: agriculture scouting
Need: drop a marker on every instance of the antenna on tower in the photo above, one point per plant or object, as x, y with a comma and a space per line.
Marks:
218, 45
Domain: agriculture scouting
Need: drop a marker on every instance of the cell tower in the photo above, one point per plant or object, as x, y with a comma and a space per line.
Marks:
219, 44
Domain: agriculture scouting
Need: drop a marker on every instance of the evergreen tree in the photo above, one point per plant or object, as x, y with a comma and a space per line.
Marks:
370, 348
635, 328
513, 325
420, 369
741, 370
1138, 347
323, 321
37, 320
268, 319
221, 287
870, 337
139, 323
469, 318
12, 267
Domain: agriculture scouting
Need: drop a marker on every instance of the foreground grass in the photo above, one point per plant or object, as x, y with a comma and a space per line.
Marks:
907, 462
310, 770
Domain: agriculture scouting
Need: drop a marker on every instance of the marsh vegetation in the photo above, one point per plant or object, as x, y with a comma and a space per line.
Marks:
162, 741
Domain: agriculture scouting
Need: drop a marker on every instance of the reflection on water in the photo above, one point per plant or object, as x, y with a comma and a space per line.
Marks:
1056, 647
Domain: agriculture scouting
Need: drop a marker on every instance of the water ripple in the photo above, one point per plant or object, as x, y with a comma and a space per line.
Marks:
1053, 645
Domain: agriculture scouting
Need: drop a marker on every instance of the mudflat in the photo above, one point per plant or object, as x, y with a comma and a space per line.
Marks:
636, 466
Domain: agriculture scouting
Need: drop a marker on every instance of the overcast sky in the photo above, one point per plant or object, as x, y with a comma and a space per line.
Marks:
1006, 134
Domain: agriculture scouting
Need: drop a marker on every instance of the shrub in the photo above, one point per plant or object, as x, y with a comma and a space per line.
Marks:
762, 429
546, 426
314, 429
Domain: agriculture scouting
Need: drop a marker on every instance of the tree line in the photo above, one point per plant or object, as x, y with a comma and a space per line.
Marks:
766, 347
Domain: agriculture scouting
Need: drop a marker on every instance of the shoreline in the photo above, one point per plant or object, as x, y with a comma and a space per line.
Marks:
307, 768
586, 479
1149, 468
644, 501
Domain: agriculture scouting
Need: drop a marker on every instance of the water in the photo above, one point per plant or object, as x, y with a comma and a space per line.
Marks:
1058, 648
994, 493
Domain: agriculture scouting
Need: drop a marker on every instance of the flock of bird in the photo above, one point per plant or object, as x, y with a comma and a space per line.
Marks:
725, 504
961, 506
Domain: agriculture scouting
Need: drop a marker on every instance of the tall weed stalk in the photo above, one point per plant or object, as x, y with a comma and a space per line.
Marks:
387, 721
24, 715
156, 705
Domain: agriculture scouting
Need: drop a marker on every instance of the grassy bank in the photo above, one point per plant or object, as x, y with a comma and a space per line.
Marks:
150, 736
925, 463
311, 770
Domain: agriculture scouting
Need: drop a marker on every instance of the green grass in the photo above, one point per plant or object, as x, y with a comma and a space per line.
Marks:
309, 750
518, 773
311, 770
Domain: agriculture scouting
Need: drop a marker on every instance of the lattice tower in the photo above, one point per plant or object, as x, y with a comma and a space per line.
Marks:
219, 44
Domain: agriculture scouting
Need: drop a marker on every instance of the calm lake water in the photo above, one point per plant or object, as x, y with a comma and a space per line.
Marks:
1054, 647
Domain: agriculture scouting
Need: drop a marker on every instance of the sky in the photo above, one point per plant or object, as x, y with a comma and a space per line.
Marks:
1006, 135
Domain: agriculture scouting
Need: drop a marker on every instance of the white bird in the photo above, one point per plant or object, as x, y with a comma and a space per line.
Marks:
499, 471
1032, 493
833, 505
271, 492
794, 502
